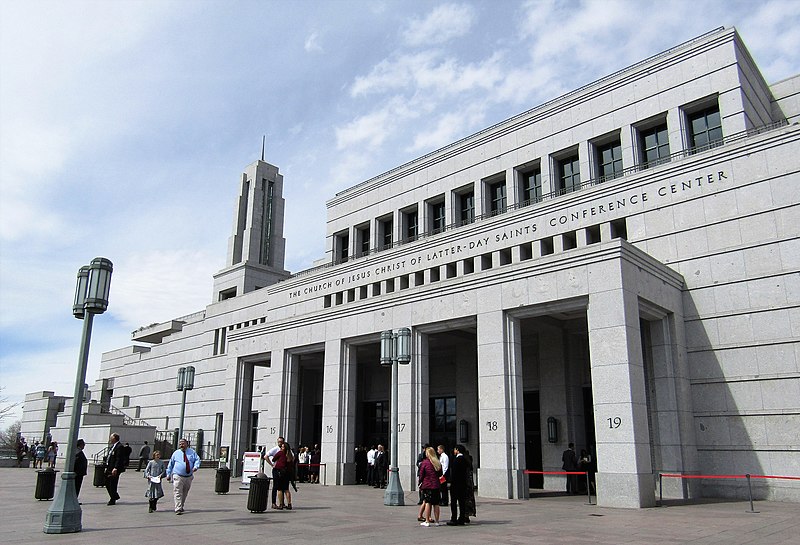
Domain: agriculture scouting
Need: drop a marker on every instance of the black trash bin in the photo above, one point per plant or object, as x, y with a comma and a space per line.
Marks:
223, 481
259, 494
45, 484
99, 478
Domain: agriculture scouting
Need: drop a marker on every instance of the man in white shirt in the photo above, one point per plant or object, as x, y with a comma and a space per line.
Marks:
371, 466
445, 461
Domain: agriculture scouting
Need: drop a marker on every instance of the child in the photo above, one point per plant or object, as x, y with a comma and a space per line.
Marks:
154, 472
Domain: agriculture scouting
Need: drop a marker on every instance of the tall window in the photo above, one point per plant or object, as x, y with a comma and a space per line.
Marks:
467, 207
654, 145
443, 422
253, 430
497, 198
568, 171
438, 217
609, 160
410, 225
265, 257
531, 187
363, 240
342, 247
705, 128
387, 233
376, 422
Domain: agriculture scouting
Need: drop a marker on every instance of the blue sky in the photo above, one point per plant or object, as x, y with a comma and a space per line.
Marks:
125, 126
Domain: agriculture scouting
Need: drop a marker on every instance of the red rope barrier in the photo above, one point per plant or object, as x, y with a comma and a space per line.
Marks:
682, 476
530, 471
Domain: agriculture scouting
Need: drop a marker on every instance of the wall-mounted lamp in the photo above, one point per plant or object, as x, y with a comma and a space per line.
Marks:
552, 430
463, 431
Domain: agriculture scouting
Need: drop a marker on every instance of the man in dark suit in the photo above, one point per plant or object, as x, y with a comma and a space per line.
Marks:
459, 484
81, 466
115, 465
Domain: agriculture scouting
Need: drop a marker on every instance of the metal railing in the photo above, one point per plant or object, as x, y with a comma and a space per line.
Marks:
126, 420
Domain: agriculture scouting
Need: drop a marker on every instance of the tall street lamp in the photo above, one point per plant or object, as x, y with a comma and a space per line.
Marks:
91, 297
185, 383
395, 349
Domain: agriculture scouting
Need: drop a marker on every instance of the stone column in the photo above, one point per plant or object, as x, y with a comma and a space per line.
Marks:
338, 413
500, 408
413, 417
625, 475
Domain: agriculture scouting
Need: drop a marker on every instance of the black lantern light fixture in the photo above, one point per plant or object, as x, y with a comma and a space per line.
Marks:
552, 430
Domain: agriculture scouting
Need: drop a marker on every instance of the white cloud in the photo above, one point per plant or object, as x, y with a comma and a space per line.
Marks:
312, 44
449, 127
444, 23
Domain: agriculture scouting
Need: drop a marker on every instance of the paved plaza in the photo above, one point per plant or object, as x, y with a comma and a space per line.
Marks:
356, 514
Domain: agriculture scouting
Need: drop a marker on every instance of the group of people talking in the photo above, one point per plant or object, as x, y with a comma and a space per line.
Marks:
444, 480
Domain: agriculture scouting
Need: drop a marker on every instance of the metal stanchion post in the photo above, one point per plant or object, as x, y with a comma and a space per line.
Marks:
661, 490
750, 494
325, 476
588, 488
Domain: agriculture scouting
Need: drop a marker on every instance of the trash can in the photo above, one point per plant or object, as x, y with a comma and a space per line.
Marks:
223, 481
99, 478
45, 484
259, 494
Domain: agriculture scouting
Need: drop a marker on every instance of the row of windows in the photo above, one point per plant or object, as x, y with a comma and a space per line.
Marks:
651, 139
527, 251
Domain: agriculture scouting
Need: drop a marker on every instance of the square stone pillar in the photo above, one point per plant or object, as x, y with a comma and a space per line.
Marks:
501, 418
413, 405
338, 413
625, 475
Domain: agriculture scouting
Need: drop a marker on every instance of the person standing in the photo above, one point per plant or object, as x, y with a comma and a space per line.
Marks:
268, 457
144, 456
115, 466
52, 453
182, 465
371, 465
41, 452
316, 460
154, 472
429, 470
81, 466
569, 462
281, 464
445, 461
459, 482
381, 466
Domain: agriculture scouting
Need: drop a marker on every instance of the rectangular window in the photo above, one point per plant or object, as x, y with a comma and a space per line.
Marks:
387, 233
609, 160
342, 247
705, 128
438, 217
568, 174
497, 198
531, 187
467, 207
410, 225
362, 240
654, 145
443, 422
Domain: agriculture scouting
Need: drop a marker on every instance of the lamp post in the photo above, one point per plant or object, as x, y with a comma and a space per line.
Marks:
395, 349
185, 383
91, 297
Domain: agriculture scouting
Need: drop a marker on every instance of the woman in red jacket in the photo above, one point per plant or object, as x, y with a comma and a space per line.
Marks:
429, 472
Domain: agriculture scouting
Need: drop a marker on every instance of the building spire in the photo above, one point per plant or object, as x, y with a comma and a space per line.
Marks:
263, 144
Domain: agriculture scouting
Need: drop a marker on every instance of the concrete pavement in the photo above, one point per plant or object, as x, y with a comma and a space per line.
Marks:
356, 514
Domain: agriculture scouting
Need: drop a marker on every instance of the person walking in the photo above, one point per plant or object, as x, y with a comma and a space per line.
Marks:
154, 473
459, 483
429, 471
180, 470
115, 466
569, 462
144, 456
81, 466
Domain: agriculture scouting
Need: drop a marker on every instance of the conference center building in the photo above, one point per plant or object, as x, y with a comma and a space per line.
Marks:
616, 268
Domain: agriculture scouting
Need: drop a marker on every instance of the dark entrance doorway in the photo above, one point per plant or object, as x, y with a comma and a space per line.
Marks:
533, 438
